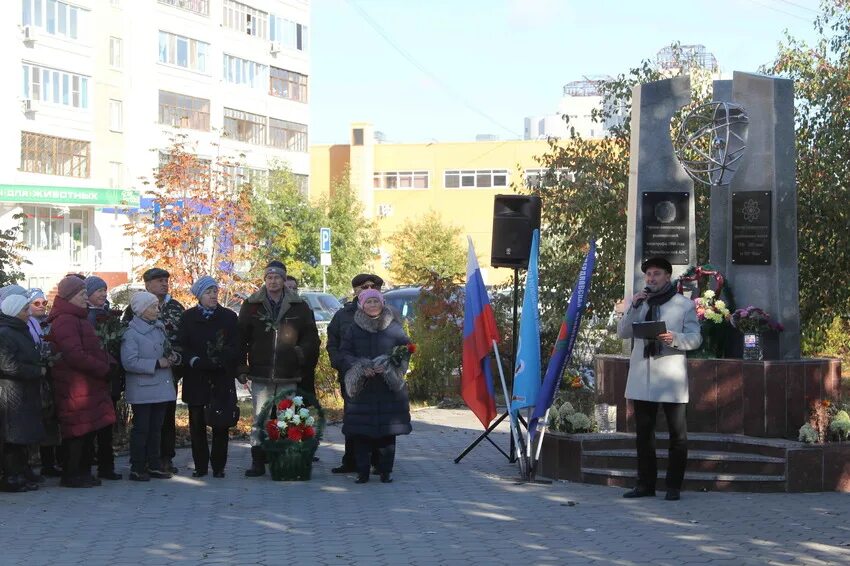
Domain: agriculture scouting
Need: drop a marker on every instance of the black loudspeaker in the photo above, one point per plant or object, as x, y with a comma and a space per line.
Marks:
515, 217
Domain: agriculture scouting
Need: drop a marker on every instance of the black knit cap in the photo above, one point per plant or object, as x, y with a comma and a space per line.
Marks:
364, 277
658, 262
154, 273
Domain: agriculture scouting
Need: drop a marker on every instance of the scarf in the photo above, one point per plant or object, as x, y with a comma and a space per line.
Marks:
655, 300
205, 312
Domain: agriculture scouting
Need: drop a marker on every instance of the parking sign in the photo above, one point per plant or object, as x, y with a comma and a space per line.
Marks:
325, 240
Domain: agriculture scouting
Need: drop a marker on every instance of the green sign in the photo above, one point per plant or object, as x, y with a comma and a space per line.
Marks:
67, 195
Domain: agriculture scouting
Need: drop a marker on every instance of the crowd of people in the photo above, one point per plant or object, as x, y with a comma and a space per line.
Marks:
65, 366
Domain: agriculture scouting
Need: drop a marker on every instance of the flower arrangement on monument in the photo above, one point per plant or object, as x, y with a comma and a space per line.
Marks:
711, 309
753, 320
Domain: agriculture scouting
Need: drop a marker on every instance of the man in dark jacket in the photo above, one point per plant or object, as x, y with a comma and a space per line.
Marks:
279, 345
170, 311
337, 328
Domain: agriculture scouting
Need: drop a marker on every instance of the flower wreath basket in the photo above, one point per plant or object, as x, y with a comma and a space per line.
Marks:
291, 425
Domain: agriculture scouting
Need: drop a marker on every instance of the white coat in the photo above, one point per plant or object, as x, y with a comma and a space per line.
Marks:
662, 378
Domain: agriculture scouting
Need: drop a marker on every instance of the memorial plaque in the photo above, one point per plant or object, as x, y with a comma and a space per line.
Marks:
665, 226
751, 244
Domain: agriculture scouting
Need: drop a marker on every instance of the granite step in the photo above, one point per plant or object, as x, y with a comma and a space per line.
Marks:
694, 481
698, 461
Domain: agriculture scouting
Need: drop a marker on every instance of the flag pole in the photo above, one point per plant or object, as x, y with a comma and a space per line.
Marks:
532, 471
523, 465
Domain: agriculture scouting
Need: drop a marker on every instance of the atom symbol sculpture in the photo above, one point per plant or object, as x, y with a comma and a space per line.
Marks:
711, 142
751, 211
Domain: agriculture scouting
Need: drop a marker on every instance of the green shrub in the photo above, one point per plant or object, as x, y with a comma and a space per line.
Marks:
579, 422
840, 425
808, 434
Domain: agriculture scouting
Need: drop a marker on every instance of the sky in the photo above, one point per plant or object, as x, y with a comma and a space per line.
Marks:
447, 70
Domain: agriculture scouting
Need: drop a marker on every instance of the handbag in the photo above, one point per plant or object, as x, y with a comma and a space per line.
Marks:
222, 410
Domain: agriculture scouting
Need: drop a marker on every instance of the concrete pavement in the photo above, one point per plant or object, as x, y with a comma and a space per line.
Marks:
435, 512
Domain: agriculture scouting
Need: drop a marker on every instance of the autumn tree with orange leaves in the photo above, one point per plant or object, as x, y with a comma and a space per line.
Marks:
196, 223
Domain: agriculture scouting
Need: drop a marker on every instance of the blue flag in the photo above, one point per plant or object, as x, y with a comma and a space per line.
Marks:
563, 350
527, 370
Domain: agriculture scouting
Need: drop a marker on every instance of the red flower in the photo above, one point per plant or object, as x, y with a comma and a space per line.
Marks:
411, 348
272, 430
284, 404
309, 432
294, 433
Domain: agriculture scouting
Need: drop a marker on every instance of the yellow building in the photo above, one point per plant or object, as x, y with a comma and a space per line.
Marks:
399, 182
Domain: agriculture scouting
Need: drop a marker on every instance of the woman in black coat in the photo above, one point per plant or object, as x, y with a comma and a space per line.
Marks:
210, 350
21, 373
378, 408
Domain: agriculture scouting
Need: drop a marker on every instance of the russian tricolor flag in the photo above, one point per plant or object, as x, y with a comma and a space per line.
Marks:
479, 331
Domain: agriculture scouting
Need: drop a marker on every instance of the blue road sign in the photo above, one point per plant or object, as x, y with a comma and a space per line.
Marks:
325, 240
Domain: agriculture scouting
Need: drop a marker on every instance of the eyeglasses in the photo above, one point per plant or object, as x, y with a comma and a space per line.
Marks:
368, 286
39, 303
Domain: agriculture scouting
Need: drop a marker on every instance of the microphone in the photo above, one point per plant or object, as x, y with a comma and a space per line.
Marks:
645, 290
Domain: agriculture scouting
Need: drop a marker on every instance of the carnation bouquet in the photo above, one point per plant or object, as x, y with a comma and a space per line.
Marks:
710, 309
110, 330
713, 314
753, 320
290, 426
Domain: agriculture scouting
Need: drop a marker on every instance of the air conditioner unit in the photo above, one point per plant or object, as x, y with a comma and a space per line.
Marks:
275, 47
29, 33
28, 105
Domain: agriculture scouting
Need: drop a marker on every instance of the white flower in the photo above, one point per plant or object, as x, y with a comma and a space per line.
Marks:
296, 420
709, 294
281, 424
298, 400
303, 413
310, 421
289, 413
719, 305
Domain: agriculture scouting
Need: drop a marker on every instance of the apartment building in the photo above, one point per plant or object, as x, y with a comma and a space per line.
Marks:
398, 182
101, 87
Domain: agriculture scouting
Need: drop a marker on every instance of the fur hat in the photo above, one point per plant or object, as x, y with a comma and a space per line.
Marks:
13, 304
93, 283
141, 300
369, 294
364, 277
70, 286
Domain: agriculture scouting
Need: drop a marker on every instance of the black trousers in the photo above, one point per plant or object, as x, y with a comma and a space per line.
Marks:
105, 454
78, 451
15, 459
365, 447
51, 456
348, 460
201, 453
168, 436
677, 453
145, 436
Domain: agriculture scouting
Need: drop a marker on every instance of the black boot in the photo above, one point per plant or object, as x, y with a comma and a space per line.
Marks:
258, 463
14, 484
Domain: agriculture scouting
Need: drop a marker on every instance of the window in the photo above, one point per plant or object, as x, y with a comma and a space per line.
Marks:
290, 34
535, 178
357, 135
235, 176
117, 3
54, 156
115, 52
288, 84
245, 19
43, 226
244, 126
55, 87
183, 52
201, 7
483, 178
116, 174
287, 135
244, 72
200, 172
116, 116
183, 111
56, 18
401, 180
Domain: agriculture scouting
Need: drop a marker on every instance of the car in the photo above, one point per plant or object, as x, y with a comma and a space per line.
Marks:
403, 300
324, 305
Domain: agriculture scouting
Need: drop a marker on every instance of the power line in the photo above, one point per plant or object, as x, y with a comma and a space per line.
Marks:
369, 20
812, 10
775, 9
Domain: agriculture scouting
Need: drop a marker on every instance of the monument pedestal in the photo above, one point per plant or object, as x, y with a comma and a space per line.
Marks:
766, 398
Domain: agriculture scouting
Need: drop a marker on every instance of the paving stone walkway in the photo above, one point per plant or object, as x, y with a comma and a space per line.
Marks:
435, 512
